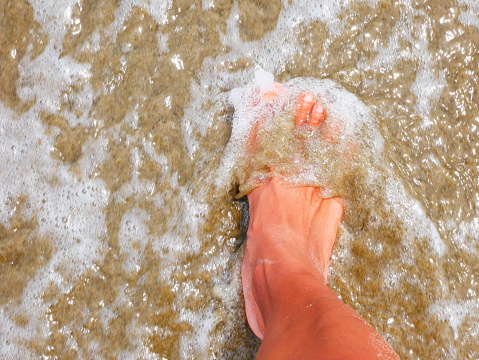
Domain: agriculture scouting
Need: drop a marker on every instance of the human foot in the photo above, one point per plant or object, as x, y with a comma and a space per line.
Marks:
292, 227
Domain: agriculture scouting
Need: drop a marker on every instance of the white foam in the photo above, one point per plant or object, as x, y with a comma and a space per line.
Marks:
244, 117
157, 9
427, 86
24, 148
263, 79
202, 322
207, 4
345, 111
454, 312
163, 43
53, 18
9, 335
95, 152
132, 238
48, 76
413, 217
470, 17
195, 119
465, 234
69, 209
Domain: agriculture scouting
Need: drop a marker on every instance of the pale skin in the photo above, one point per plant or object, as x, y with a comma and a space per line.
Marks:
285, 267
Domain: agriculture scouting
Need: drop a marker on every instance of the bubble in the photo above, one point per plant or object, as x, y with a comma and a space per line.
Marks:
324, 157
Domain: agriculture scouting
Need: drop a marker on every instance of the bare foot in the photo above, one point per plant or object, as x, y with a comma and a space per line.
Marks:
292, 226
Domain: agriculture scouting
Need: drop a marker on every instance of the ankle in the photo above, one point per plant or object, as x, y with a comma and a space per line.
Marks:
285, 286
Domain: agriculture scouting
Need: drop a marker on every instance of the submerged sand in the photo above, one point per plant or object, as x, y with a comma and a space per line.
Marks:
114, 242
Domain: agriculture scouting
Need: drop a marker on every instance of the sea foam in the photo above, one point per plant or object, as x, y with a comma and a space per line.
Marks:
266, 144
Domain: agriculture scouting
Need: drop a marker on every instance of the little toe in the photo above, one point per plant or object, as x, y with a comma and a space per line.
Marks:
304, 105
317, 115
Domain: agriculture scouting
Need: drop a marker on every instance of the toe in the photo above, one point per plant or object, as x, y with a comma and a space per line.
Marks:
303, 108
275, 91
317, 114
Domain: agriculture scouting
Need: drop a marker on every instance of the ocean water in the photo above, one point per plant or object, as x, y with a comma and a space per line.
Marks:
120, 234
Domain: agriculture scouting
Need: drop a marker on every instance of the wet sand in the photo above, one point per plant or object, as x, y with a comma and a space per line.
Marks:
111, 232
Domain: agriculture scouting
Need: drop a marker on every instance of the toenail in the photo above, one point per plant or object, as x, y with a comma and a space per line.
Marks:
308, 98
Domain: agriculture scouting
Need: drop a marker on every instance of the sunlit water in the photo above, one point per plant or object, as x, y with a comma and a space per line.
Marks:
117, 240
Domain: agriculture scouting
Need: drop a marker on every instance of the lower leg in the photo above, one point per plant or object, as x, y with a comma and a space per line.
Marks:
288, 303
306, 320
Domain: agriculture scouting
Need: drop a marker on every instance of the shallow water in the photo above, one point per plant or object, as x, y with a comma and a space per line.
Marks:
115, 240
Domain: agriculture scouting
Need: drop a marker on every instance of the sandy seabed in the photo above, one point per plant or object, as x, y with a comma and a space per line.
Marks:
117, 243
